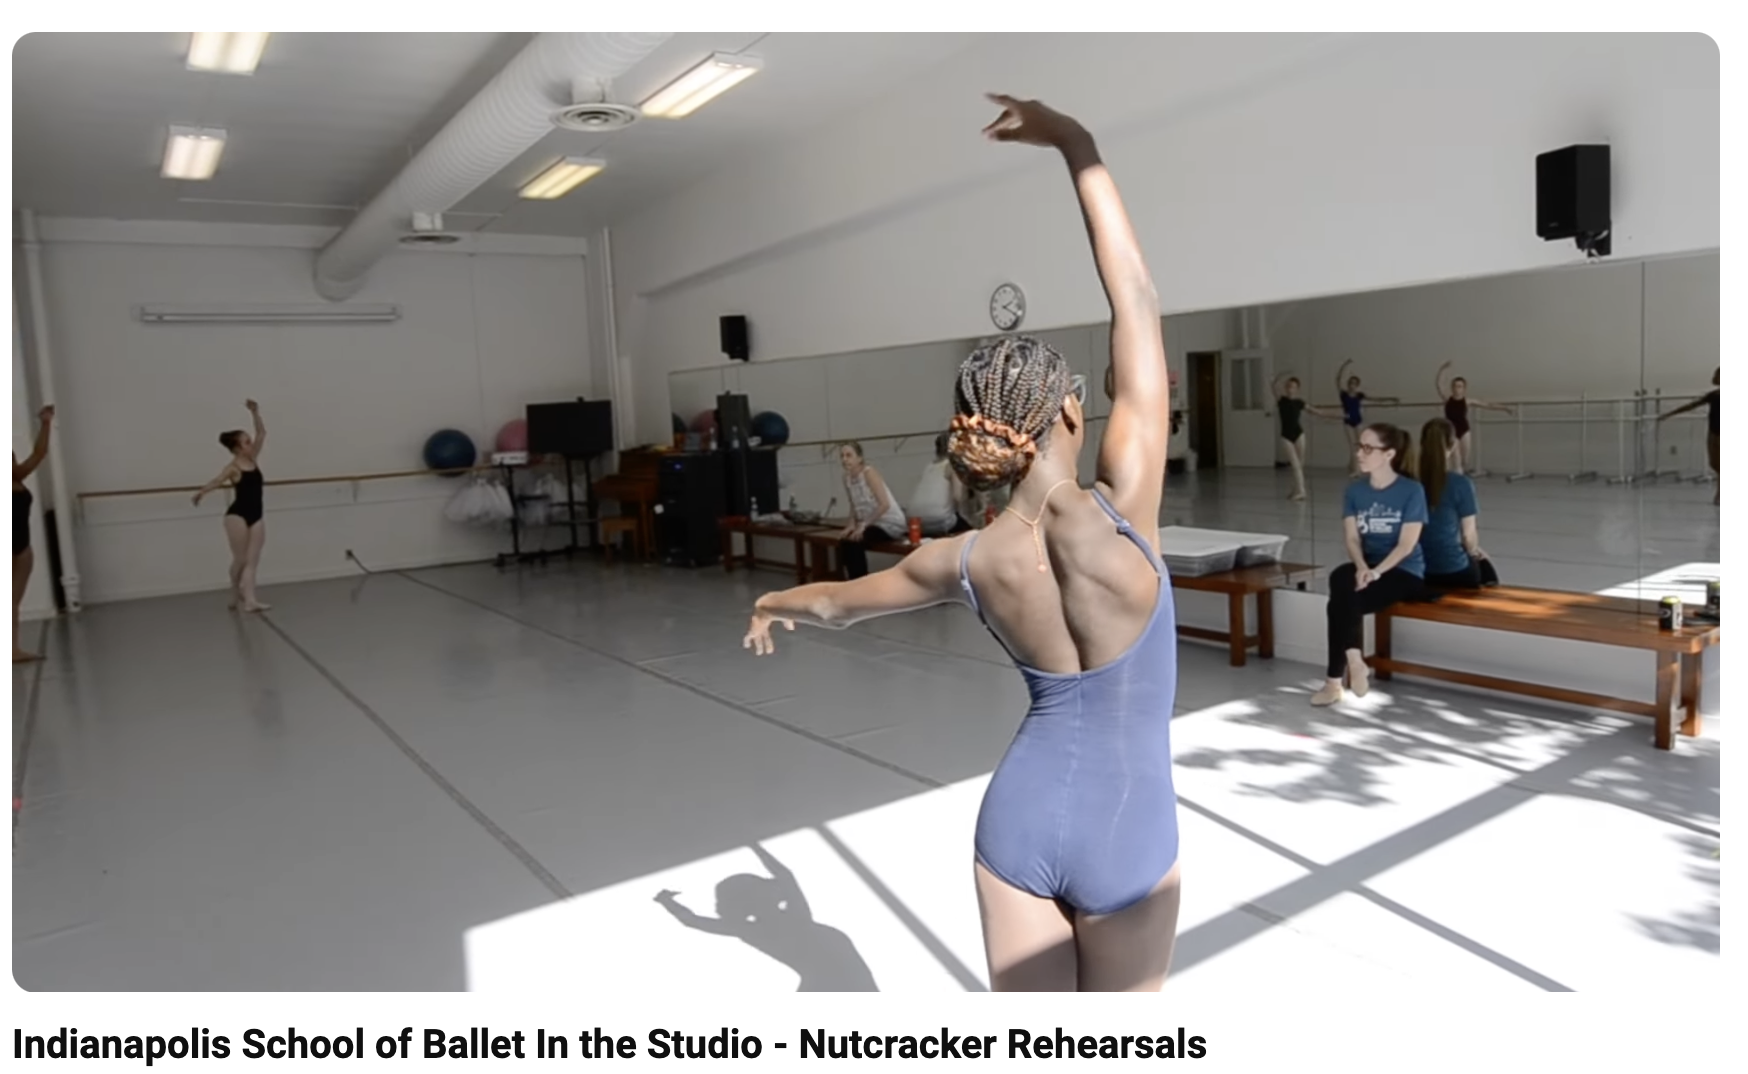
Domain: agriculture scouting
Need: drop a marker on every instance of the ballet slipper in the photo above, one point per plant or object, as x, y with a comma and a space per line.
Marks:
257, 607
1327, 696
1359, 678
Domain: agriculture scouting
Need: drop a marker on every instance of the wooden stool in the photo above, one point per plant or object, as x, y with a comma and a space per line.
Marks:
619, 526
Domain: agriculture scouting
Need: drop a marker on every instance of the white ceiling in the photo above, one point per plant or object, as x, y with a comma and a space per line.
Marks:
329, 118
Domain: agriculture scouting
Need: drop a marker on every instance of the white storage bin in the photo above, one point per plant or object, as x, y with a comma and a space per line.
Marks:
1193, 553
1254, 549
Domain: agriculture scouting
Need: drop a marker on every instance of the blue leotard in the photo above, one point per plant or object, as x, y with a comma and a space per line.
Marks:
1082, 808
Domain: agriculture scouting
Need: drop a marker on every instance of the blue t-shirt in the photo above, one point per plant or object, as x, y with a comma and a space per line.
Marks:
1442, 540
1380, 515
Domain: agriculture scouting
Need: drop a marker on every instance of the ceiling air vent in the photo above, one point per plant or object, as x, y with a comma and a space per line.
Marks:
592, 111
428, 231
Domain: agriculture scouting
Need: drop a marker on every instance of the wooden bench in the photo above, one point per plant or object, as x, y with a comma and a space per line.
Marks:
1259, 582
1627, 624
814, 545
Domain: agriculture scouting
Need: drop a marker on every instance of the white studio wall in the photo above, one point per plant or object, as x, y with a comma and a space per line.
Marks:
1252, 165
480, 335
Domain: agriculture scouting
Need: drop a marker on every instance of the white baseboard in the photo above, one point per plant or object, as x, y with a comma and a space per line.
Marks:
347, 570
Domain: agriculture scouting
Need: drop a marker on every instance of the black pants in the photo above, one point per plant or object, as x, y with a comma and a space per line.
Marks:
1348, 609
1469, 578
854, 554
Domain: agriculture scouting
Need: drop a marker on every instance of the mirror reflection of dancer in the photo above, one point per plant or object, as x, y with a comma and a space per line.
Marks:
1710, 401
1457, 403
1077, 842
23, 558
1353, 417
1292, 410
245, 527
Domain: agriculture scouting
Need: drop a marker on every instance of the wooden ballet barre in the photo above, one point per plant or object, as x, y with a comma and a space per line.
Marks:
338, 480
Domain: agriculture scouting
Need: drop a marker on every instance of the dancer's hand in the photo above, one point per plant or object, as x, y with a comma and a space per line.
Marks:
1032, 123
1364, 578
758, 637
46, 415
197, 497
252, 405
665, 896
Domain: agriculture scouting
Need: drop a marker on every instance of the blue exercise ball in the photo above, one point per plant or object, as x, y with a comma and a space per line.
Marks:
449, 449
771, 428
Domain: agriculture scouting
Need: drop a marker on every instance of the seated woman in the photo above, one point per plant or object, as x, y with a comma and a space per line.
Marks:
941, 500
1451, 541
874, 515
1382, 516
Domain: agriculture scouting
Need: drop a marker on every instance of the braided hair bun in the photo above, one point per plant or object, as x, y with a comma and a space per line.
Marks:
1009, 395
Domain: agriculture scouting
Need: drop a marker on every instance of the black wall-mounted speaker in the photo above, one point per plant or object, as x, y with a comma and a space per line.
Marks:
735, 343
1572, 196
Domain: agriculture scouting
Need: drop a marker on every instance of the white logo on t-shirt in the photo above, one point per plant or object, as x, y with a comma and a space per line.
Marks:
1379, 518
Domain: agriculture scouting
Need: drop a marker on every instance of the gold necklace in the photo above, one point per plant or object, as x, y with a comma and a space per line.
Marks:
1034, 523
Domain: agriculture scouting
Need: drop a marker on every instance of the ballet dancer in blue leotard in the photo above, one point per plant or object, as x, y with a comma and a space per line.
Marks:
1076, 846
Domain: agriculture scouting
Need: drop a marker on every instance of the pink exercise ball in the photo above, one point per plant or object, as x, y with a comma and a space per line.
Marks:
704, 422
513, 436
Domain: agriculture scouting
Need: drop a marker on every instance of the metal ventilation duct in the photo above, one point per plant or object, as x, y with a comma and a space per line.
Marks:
511, 114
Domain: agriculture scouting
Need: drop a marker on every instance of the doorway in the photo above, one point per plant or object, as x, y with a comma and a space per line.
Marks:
1204, 408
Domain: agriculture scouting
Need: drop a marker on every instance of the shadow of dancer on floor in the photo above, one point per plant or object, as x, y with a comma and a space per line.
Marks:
771, 915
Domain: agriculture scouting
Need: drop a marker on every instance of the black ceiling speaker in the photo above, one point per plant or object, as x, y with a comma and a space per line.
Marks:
1572, 197
734, 338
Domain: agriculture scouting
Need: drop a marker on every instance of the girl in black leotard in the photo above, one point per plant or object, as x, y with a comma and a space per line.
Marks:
23, 559
1457, 403
244, 525
1292, 409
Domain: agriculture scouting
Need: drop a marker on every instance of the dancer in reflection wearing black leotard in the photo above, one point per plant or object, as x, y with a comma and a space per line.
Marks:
1457, 403
245, 526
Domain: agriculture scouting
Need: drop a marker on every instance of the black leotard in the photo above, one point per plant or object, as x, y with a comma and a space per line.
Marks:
21, 501
246, 501
1291, 410
1457, 413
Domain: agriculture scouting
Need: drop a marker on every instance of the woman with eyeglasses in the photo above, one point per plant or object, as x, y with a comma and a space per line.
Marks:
1076, 861
1383, 514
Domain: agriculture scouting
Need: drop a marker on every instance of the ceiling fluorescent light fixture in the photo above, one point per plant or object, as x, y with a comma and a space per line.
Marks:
562, 178
193, 152
305, 314
229, 54
702, 84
